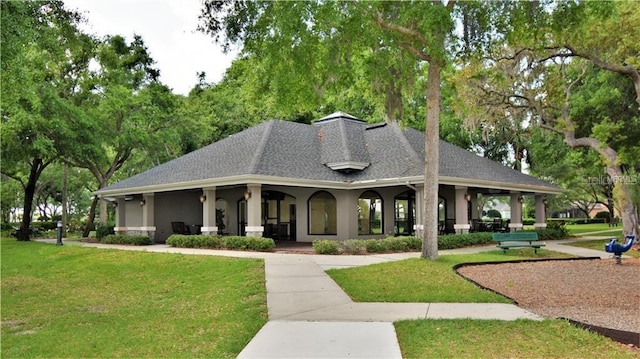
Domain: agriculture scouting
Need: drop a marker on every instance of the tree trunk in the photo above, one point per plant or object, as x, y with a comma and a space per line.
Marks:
622, 197
29, 192
91, 217
621, 192
104, 214
431, 164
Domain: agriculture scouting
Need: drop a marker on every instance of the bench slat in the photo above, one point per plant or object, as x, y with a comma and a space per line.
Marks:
515, 236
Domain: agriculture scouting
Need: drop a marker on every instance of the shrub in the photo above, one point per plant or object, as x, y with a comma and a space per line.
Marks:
219, 242
395, 244
494, 213
528, 221
452, 241
353, 246
126, 239
48, 225
195, 241
325, 246
412, 242
602, 214
260, 244
375, 246
555, 230
236, 242
104, 230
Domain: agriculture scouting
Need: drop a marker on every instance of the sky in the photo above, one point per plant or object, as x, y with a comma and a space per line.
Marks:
168, 28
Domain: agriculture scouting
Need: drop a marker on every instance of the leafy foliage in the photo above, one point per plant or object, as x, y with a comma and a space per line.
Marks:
126, 239
221, 242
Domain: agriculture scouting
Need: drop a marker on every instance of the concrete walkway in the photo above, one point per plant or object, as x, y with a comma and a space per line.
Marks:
310, 316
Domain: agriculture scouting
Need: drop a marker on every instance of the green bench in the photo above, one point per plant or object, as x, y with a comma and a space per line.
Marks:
517, 240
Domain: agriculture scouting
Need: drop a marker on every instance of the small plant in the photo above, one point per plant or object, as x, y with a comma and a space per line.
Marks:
375, 246
104, 230
236, 242
326, 246
260, 244
127, 239
354, 246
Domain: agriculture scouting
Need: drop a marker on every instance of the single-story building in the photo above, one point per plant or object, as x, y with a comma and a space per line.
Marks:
338, 178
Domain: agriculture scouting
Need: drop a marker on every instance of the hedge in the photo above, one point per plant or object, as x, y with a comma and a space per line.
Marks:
406, 244
221, 242
126, 239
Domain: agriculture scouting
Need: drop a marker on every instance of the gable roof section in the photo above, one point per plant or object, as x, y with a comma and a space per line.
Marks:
281, 152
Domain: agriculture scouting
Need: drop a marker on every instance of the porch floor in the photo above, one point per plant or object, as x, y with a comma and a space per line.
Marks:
294, 247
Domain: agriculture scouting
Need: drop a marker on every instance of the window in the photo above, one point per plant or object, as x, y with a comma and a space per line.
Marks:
405, 213
370, 213
323, 214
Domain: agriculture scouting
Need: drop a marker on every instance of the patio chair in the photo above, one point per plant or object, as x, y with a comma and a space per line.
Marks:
180, 228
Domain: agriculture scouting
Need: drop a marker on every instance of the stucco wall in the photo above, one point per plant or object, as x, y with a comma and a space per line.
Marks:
182, 206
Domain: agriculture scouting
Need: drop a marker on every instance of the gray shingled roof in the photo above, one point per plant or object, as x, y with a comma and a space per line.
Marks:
293, 151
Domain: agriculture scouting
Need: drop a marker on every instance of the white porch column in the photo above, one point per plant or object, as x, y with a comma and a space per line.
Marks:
418, 225
516, 212
148, 221
208, 199
253, 195
121, 223
462, 221
541, 216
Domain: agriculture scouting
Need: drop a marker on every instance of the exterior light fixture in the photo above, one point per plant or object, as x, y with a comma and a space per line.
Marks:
143, 202
247, 195
520, 199
545, 201
467, 197
203, 198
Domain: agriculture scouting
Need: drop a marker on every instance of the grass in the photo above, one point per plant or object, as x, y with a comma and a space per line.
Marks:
74, 301
598, 244
466, 338
417, 280
578, 229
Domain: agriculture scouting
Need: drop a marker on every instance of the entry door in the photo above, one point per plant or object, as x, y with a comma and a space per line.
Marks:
278, 216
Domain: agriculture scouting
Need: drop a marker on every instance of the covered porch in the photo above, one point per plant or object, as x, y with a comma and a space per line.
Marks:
304, 214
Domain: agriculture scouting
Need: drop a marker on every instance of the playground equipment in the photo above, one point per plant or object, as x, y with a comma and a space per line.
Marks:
617, 249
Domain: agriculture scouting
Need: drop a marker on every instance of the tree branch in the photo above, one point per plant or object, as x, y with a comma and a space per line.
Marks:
623, 69
406, 32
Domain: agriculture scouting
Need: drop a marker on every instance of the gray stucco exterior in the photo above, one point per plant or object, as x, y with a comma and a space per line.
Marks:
287, 163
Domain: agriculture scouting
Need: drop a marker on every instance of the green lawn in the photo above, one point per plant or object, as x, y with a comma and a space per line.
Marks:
578, 229
417, 280
599, 245
466, 338
74, 301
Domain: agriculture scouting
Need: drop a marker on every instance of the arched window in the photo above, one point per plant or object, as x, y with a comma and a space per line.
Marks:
370, 213
323, 218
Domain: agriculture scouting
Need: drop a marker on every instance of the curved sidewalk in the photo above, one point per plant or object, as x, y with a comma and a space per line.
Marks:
310, 316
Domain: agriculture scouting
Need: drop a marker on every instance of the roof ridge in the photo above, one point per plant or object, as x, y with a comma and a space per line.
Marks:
405, 143
253, 166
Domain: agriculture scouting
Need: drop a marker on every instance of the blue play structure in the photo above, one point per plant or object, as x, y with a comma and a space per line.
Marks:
617, 249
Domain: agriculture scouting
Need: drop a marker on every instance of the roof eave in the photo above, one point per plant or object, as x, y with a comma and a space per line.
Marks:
285, 181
